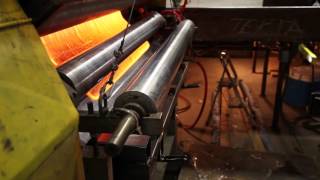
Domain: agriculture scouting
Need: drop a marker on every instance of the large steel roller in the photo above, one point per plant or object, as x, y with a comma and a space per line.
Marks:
84, 71
151, 87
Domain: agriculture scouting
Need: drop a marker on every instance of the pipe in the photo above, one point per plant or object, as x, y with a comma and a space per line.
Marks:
84, 71
152, 86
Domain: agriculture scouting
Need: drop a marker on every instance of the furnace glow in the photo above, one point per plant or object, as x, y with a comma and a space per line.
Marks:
68, 43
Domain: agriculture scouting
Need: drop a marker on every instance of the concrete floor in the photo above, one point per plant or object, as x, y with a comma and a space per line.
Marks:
235, 130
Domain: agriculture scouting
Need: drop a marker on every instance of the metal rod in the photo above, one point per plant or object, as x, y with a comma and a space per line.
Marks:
172, 105
155, 150
84, 71
151, 87
126, 126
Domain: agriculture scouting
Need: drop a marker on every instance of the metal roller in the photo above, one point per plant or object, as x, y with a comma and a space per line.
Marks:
151, 87
121, 85
84, 71
149, 90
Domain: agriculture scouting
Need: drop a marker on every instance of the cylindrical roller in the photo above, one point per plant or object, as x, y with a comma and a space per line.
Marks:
122, 84
152, 85
126, 126
84, 71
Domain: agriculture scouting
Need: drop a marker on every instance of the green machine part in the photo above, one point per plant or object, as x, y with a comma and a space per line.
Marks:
38, 122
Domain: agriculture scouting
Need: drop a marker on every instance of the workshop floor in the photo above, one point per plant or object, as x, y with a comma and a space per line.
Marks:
293, 149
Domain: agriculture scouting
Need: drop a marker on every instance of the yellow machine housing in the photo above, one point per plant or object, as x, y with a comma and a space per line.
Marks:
38, 122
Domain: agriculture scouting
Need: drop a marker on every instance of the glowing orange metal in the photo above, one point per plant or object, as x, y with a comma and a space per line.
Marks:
68, 43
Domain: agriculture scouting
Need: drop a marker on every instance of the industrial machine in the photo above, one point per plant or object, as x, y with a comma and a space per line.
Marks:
122, 76
89, 87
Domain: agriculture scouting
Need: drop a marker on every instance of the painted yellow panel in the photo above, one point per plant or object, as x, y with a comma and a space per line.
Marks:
36, 113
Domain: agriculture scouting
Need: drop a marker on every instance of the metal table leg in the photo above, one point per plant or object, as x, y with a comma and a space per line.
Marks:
256, 47
265, 72
254, 63
285, 58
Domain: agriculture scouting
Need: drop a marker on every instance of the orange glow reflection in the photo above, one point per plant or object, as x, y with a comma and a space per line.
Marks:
123, 67
68, 43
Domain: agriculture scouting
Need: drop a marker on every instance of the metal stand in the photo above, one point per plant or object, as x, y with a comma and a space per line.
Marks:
286, 55
231, 82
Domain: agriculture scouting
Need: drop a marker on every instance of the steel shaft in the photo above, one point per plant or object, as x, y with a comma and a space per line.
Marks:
125, 127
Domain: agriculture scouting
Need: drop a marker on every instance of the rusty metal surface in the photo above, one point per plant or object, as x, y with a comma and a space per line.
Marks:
267, 24
215, 162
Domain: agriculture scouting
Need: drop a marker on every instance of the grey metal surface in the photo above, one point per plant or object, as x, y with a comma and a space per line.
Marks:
268, 24
151, 87
84, 71
154, 124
